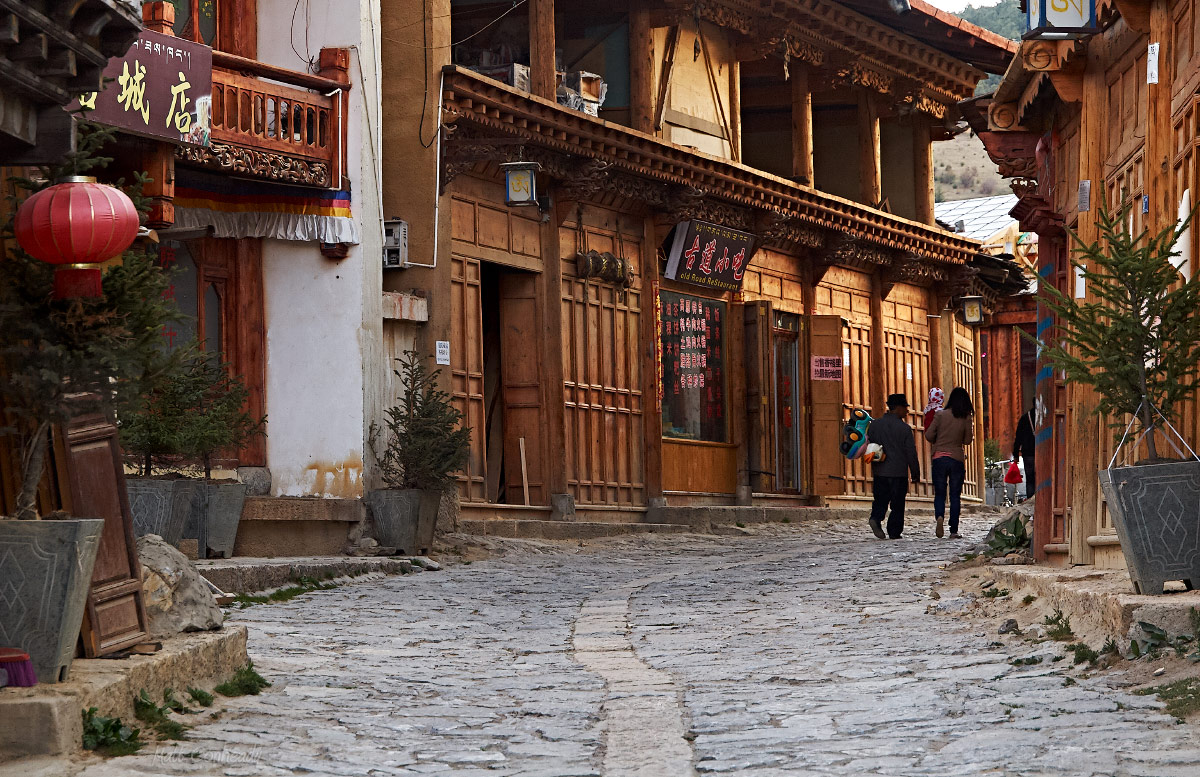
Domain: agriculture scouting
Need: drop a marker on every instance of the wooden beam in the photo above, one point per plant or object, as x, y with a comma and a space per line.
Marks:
1163, 207
877, 358
870, 173
649, 339
641, 68
923, 169
664, 80
802, 126
735, 110
542, 72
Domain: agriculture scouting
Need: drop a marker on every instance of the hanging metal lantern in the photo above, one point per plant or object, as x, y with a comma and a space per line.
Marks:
972, 309
1060, 19
76, 222
520, 180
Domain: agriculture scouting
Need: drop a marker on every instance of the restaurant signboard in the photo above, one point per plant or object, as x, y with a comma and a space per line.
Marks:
709, 255
161, 89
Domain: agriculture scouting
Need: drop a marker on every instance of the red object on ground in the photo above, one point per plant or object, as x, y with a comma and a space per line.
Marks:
76, 221
18, 667
1013, 475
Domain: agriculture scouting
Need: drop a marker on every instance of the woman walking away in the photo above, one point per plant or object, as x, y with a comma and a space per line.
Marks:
951, 431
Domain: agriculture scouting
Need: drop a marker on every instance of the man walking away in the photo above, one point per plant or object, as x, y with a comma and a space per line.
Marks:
899, 462
1023, 445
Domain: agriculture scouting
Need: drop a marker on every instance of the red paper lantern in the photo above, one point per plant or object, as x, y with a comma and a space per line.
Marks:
77, 222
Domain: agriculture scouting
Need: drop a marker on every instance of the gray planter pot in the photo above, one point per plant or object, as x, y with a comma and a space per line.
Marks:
1156, 511
160, 507
405, 518
45, 574
222, 514
195, 493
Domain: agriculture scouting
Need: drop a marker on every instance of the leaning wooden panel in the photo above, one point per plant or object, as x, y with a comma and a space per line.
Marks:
115, 616
466, 371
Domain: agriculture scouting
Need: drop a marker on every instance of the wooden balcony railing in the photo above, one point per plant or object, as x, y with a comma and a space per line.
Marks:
281, 112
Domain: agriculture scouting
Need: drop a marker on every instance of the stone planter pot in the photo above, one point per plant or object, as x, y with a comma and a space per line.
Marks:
196, 525
1156, 511
45, 574
222, 514
160, 507
405, 518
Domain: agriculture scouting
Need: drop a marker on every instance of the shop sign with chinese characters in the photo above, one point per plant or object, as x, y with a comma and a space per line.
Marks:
709, 255
161, 88
826, 368
693, 367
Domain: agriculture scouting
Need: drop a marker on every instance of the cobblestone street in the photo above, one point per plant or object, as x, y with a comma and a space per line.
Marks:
803, 649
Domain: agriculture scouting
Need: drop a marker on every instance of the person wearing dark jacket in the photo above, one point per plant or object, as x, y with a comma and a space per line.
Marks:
891, 475
1023, 445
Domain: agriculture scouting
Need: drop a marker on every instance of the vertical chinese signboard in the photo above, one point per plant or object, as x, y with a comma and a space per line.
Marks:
693, 368
161, 88
709, 255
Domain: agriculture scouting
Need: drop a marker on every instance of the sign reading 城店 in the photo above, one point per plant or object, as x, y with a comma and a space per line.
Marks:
709, 255
161, 88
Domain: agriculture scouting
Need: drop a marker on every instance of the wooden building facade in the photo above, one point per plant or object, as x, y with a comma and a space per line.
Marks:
601, 390
1107, 119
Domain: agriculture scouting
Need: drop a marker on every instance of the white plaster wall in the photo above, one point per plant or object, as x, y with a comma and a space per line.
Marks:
324, 324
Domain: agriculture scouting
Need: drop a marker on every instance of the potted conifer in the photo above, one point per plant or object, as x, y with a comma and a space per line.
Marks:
425, 445
181, 419
60, 358
1138, 346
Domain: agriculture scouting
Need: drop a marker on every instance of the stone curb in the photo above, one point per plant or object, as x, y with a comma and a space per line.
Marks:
249, 575
1102, 600
47, 719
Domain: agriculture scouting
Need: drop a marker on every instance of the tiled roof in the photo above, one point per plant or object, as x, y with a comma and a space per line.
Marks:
982, 216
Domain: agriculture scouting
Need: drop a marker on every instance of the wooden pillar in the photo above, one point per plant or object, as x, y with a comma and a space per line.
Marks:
1085, 427
652, 409
641, 68
736, 338
923, 169
976, 450
553, 407
802, 126
933, 303
735, 111
1163, 207
878, 357
542, 81
870, 171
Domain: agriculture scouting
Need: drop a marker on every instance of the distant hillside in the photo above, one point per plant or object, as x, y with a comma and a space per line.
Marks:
961, 167
1003, 18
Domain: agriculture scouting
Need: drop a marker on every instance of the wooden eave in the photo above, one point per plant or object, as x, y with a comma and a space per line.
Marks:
500, 110
818, 30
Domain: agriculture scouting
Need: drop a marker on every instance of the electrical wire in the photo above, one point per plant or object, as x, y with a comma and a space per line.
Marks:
516, 4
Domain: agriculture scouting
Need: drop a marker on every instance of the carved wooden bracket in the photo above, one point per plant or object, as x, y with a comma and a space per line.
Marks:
1136, 14
240, 160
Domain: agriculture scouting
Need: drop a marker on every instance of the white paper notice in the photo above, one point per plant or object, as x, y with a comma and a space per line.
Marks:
908, 370
846, 357
443, 352
1085, 196
1080, 284
1152, 64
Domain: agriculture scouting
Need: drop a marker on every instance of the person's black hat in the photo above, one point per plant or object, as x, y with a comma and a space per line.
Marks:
897, 400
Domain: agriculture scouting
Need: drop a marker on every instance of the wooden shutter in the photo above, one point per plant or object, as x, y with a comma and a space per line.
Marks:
828, 464
115, 617
760, 418
519, 348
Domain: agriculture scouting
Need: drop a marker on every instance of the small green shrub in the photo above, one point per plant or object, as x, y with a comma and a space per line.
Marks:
1083, 653
1058, 627
157, 717
201, 697
1155, 640
1030, 661
996, 593
109, 736
1029, 599
1182, 697
245, 682
1011, 536
1110, 648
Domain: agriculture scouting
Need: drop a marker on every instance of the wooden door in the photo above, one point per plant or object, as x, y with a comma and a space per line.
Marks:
520, 322
827, 470
466, 370
760, 420
115, 616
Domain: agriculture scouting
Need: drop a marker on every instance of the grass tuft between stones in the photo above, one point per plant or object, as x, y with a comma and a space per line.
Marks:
303, 585
245, 682
1182, 697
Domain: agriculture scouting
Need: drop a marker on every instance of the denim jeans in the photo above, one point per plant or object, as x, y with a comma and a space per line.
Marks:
948, 474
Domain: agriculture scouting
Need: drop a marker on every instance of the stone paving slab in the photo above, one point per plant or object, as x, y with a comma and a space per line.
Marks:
799, 650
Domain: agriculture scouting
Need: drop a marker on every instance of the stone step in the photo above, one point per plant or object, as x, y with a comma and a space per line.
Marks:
242, 575
563, 530
703, 518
